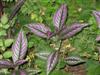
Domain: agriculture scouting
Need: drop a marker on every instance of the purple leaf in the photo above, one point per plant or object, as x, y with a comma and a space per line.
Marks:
19, 72
19, 48
74, 60
52, 61
70, 31
40, 30
98, 38
19, 62
60, 17
97, 16
6, 64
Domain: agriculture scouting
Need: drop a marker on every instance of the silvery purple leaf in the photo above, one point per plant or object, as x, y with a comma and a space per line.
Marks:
40, 30
60, 17
32, 71
97, 16
52, 61
74, 60
19, 48
6, 64
42, 55
19, 72
98, 38
70, 31
19, 62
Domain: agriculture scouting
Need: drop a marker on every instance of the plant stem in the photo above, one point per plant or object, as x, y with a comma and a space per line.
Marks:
17, 68
60, 45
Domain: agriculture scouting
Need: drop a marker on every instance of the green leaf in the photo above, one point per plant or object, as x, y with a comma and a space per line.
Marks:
1, 25
1, 43
59, 72
61, 63
7, 54
93, 67
2, 33
4, 19
6, 26
40, 63
8, 42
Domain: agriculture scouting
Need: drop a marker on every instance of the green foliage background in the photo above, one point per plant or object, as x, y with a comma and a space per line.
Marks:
42, 11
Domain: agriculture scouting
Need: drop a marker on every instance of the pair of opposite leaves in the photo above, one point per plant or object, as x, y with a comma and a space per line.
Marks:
64, 32
61, 30
20, 46
59, 19
19, 49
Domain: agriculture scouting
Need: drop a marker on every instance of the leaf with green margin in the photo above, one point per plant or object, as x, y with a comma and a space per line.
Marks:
8, 42
1, 25
1, 43
6, 26
7, 54
4, 19
2, 32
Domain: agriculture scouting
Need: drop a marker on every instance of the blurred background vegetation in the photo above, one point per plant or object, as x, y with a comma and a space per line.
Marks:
42, 11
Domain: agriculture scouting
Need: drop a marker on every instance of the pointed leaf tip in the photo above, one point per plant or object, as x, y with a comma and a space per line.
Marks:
40, 30
19, 48
52, 61
60, 17
6, 64
74, 60
72, 30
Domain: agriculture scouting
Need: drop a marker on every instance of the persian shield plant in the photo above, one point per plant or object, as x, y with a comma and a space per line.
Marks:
60, 33
19, 49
